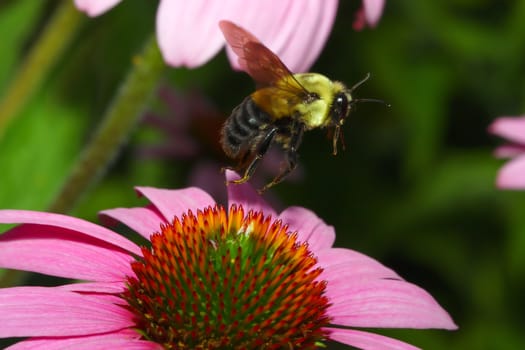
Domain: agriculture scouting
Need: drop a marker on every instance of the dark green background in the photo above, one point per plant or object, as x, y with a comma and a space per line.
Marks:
414, 188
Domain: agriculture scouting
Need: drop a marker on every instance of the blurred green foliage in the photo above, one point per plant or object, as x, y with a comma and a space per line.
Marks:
414, 188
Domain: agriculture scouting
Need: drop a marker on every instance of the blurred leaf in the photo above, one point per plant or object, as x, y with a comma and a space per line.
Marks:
37, 152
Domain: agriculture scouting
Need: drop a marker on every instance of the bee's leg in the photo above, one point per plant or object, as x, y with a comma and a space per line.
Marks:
261, 150
291, 156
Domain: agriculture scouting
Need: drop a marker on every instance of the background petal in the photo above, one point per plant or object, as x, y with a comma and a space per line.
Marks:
40, 311
511, 128
512, 174
309, 226
95, 7
385, 303
294, 30
171, 203
188, 31
58, 220
64, 253
366, 340
373, 11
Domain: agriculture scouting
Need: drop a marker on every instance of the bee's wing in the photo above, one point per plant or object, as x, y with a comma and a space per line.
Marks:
260, 62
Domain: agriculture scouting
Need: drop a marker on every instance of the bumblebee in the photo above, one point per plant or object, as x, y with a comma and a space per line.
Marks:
283, 107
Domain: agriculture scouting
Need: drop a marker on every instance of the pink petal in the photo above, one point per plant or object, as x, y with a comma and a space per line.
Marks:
335, 261
245, 195
512, 174
360, 271
310, 227
294, 30
120, 340
70, 223
367, 341
40, 311
384, 303
144, 221
373, 11
95, 7
95, 287
511, 128
171, 203
187, 31
64, 253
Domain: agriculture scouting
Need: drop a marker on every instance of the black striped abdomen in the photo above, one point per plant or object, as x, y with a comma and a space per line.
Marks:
242, 129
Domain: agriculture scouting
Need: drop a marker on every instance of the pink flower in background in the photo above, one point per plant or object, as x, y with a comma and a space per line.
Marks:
190, 124
208, 278
512, 174
188, 32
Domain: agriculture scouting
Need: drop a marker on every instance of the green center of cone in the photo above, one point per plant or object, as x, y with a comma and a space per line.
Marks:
228, 281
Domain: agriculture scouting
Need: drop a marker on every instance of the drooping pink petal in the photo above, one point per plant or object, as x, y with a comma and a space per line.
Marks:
512, 174
119, 340
64, 253
94, 8
206, 174
310, 228
294, 30
70, 223
509, 151
246, 196
335, 260
40, 311
511, 128
359, 19
373, 11
172, 203
386, 304
187, 31
367, 341
144, 221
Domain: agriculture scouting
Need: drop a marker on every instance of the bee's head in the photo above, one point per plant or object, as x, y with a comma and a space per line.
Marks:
341, 106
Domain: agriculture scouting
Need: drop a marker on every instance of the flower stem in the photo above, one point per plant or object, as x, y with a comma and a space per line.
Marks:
42, 57
115, 127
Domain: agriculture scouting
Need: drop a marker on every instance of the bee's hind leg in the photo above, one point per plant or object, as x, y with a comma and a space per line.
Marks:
262, 148
291, 156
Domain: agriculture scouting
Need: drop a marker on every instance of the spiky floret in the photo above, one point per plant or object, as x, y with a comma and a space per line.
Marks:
228, 281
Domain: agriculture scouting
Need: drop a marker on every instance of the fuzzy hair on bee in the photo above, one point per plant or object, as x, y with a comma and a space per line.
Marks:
283, 107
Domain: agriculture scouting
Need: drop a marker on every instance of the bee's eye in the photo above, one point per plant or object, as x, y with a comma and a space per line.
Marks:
340, 106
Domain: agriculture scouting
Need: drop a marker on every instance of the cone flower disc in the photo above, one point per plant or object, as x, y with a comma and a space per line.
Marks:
216, 280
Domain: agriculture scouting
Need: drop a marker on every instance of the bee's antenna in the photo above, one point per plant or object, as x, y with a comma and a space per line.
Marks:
359, 83
374, 100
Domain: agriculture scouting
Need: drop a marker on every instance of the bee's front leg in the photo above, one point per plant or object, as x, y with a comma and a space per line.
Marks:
291, 156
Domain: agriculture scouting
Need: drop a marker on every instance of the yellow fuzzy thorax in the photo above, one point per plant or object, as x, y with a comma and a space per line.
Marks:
286, 99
